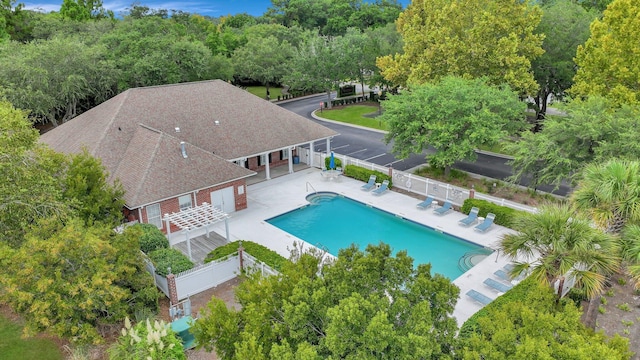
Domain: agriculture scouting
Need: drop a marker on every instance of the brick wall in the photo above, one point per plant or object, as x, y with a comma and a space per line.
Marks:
173, 205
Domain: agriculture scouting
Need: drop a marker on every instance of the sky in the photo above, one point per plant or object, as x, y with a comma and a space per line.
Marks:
213, 8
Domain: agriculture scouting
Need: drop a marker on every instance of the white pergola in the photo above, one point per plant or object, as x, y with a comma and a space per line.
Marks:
195, 218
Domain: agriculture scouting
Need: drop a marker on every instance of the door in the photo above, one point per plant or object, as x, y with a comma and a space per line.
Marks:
224, 199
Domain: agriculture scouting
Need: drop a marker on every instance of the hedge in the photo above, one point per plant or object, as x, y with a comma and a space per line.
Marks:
152, 238
363, 174
519, 293
173, 258
327, 160
264, 254
504, 215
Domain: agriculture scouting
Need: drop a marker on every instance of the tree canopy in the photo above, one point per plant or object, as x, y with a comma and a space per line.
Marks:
467, 38
565, 26
364, 305
72, 279
592, 130
527, 324
609, 62
454, 116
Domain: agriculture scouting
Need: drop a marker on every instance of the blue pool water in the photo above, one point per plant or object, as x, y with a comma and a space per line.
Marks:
335, 222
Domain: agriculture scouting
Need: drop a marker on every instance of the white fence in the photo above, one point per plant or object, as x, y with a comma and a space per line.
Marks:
420, 185
207, 276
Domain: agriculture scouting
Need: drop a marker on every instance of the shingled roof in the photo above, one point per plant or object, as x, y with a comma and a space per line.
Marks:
134, 134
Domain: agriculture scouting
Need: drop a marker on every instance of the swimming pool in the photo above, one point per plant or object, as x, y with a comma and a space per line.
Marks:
334, 222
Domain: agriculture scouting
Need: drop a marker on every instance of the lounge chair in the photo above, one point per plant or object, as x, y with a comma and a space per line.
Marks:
372, 182
503, 275
445, 208
497, 285
472, 218
382, 189
479, 297
427, 203
486, 224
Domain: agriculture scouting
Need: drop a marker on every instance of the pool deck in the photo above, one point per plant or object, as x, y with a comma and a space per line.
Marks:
273, 197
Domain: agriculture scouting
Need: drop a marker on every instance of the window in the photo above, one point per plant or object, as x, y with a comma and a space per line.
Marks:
284, 154
153, 215
185, 201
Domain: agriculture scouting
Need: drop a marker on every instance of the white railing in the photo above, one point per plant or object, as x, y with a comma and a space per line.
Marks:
252, 264
420, 185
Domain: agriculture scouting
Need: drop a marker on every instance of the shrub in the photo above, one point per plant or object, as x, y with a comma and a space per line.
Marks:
165, 258
147, 341
504, 215
519, 293
267, 256
327, 160
152, 238
363, 174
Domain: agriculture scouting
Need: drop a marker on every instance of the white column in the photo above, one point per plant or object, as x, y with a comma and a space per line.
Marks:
168, 224
266, 167
310, 155
290, 161
328, 146
188, 245
226, 228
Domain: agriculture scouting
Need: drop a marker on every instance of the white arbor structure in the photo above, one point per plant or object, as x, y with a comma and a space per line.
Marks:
193, 219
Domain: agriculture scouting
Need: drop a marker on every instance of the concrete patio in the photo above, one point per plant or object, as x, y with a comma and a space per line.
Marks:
286, 192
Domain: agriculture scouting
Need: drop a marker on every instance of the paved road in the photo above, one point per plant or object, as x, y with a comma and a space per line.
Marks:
368, 145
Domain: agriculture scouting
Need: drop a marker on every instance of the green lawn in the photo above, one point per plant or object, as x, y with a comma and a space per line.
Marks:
12, 346
354, 115
261, 91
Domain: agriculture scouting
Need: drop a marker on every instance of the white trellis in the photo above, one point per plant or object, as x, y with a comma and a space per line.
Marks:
198, 217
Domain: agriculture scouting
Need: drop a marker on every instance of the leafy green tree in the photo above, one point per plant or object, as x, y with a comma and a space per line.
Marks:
454, 116
592, 130
265, 60
308, 14
56, 79
83, 10
384, 40
364, 305
71, 279
320, 64
91, 196
556, 243
467, 38
565, 25
608, 65
155, 51
532, 327
14, 21
29, 191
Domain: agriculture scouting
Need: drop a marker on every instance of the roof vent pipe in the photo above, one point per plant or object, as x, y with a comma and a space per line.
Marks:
183, 149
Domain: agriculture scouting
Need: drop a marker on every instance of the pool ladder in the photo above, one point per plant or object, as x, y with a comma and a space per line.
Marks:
311, 186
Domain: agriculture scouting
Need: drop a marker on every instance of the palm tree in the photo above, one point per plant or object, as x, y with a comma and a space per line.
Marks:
630, 250
610, 193
556, 243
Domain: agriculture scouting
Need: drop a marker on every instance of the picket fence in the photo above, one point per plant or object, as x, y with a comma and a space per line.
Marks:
420, 185
207, 276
